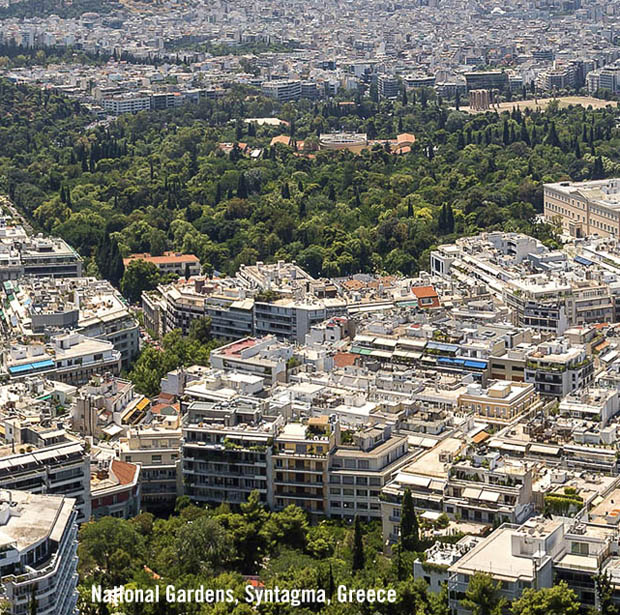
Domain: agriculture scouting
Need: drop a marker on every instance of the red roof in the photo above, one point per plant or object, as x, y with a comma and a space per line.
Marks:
124, 472
342, 359
422, 292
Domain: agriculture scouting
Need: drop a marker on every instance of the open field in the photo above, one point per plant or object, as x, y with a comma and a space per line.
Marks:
542, 103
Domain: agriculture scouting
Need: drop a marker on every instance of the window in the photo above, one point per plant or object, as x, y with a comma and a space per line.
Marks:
156, 458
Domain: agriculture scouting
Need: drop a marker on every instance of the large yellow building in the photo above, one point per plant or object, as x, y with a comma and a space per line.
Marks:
584, 208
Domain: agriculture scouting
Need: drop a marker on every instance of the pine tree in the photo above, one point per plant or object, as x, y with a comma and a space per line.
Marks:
331, 583
409, 208
358, 546
286, 193
460, 141
409, 529
577, 149
332, 194
300, 186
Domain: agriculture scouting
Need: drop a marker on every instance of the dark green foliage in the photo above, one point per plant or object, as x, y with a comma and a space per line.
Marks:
409, 527
359, 557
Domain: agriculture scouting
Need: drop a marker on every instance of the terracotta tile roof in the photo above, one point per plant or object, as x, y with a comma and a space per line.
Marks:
283, 139
124, 472
342, 359
406, 138
480, 437
422, 292
167, 257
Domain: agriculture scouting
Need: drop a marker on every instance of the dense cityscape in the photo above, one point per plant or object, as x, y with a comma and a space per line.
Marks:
309, 307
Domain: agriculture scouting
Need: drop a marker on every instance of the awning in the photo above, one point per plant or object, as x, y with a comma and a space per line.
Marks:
476, 364
472, 494
490, 496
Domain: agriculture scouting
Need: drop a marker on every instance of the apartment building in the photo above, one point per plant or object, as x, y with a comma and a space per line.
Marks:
389, 86
115, 489
520, 556
598, 405
71, 358
301, 460
264, 357
500, 402
156, 450
62, 469
556, 368
584, 208
38, 256
359, 469
283, 90
126, 103
48, 306
227, 452
39, 553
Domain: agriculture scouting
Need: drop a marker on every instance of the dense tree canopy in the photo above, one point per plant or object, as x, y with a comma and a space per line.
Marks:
158, 181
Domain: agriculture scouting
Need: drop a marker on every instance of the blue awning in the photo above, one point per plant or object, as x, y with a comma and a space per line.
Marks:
19, 369
450, 361
583, 261
42, 364
476, 364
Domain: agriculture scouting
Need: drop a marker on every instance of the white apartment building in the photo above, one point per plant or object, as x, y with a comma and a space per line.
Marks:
39, 553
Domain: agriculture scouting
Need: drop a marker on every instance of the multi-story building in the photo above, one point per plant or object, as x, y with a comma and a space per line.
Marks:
556, 368
47, 306
127, 103
62, 469
227, 452
584, 208
359, 469
264, 357
500, 402
487, 80
389, 86
115, 489
156, 450
283, 90
71, 358
38, 572
187, 265
300, 464
38, 256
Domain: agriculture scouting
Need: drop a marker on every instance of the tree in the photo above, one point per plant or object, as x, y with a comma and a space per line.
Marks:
556, 600
242, 189
552, 136
139, 276
289, 527
203, 543
358, 546
482, 595
604, 594
286, 192
111, 547
409, 528
200, 329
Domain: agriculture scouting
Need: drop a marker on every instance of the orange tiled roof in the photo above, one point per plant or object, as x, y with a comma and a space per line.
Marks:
167, 257
422, 292
124, 472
